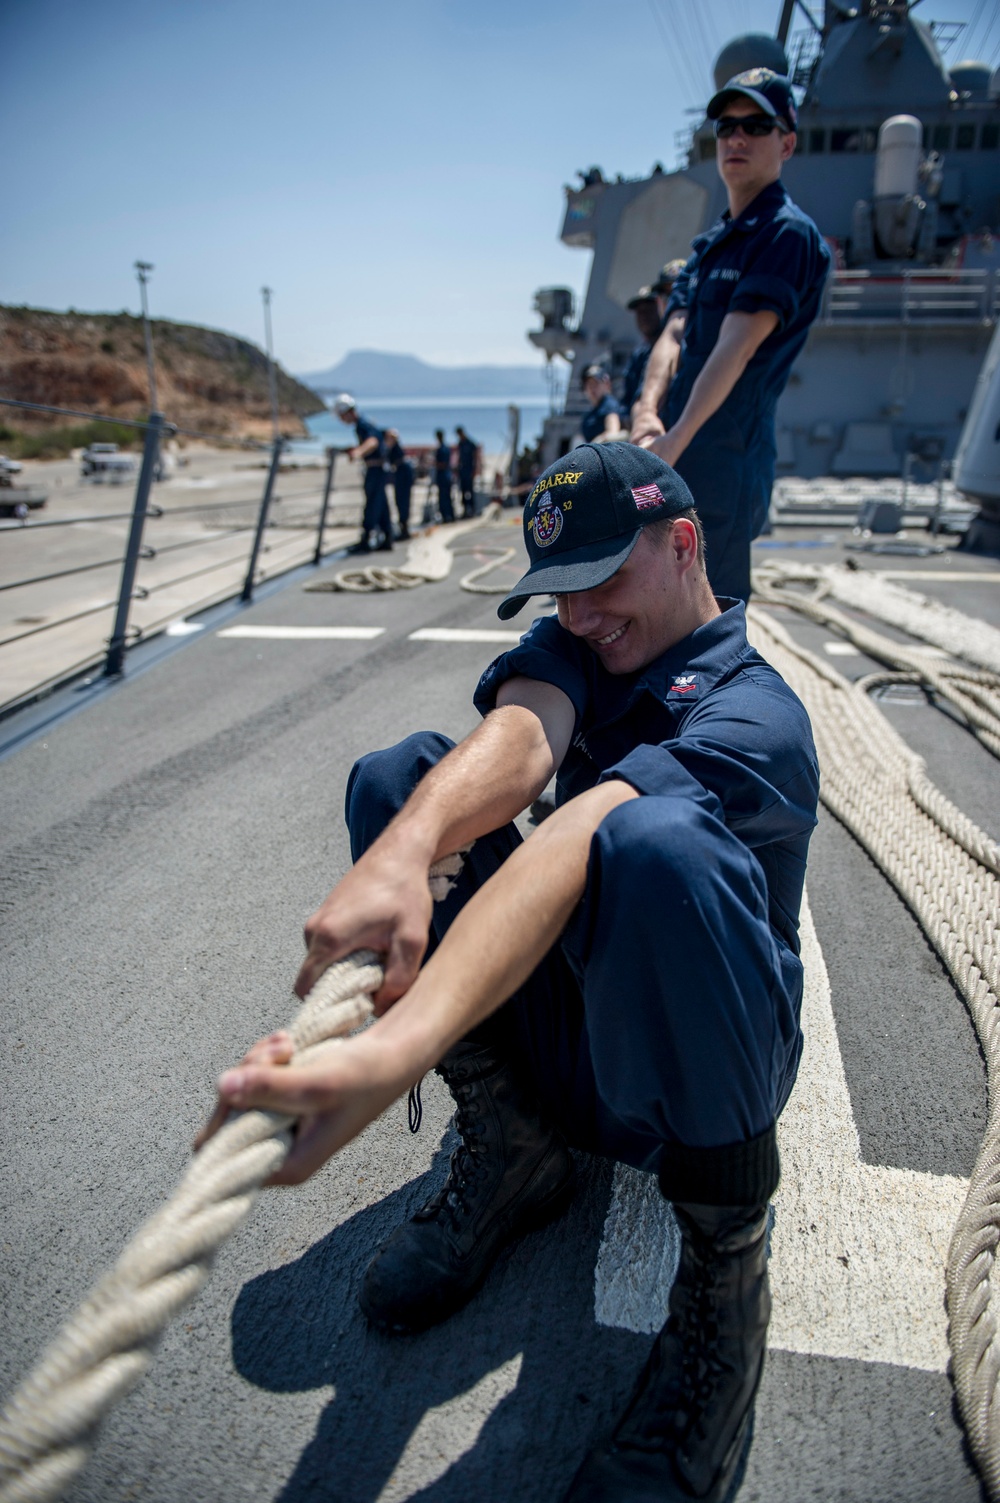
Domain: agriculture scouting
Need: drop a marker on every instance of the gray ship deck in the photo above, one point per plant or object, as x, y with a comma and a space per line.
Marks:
160, 852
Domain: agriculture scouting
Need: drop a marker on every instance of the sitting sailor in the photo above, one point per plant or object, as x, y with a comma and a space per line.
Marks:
626, 981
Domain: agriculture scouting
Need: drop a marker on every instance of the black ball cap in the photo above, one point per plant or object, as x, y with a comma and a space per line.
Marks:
584, 516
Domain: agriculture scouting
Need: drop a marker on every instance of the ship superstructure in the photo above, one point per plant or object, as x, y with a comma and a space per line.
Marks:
898, 162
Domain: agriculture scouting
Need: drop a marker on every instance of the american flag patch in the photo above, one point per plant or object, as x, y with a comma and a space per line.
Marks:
646, 496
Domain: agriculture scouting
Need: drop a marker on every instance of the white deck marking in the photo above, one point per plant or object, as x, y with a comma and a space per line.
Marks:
448, 1432
183, 628
304, 633
952, 576
841, 649
858, 1251
462, 634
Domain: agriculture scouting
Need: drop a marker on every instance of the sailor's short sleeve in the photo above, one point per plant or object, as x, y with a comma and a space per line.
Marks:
679, 293
547, 653
783, 271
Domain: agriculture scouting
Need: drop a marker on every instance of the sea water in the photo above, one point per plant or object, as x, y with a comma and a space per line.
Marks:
485, 420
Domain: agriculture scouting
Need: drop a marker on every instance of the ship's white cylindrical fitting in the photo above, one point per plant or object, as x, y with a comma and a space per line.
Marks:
897, 158
977, 458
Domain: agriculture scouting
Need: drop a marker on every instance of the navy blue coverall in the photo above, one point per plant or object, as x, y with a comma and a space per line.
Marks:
376, 517
442, 479
664, 1024
772, 257
402, 482
592, 422
632, 378
466, 474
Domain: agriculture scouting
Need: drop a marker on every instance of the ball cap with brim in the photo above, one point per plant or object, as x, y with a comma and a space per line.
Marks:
584, 516
771, 92
644, 295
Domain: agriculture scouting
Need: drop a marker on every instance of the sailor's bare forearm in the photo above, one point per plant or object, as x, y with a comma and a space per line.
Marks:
492, 947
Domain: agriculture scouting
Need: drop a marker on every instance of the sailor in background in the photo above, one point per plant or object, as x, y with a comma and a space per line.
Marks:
604, 419
442, 477
370, 447
649, 307
402, 481
736, 320
468, 455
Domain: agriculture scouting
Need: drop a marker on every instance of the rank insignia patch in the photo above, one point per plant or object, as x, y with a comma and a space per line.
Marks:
684, 683
547, 523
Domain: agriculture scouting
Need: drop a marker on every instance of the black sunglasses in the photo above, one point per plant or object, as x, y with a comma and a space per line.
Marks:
750, 125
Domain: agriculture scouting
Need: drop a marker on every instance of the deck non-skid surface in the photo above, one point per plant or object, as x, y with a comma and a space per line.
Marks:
159, 854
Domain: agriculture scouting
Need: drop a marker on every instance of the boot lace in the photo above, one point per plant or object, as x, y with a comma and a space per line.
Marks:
671, 1408
468, 1166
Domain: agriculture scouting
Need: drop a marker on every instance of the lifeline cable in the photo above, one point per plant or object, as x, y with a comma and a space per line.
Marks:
47, 1427
947, 871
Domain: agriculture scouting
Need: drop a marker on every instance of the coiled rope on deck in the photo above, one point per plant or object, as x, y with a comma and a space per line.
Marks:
428, 560
947, 870
973, 691
47, 1427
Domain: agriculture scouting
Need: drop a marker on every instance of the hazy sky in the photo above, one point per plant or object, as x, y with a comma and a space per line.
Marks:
392, 168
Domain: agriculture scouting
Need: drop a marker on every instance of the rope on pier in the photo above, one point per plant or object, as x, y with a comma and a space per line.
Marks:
47, 1428
974, 692
948, 872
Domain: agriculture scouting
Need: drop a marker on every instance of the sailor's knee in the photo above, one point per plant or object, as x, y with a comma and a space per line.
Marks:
654, 839
380, 782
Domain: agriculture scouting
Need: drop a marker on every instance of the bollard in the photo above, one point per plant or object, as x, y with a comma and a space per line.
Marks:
115, 660
331, 460
265, 507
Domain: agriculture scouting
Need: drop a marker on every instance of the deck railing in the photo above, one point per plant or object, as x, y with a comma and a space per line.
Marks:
916, 296
235, 540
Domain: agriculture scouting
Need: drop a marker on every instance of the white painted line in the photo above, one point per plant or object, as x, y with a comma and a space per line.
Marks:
448, 1432
858, 1251
182, 628
841, 649
955, 576
457, 634
304, 633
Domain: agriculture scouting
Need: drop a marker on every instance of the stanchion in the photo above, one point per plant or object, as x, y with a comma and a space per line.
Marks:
331, 461
115, 660
265, 507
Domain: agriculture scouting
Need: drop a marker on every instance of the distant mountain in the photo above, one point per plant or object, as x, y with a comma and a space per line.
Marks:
369, 374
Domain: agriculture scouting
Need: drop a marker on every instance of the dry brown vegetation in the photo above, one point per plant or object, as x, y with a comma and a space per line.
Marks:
96, 362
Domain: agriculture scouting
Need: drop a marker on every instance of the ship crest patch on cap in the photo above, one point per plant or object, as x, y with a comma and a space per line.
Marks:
547, 523
647, 496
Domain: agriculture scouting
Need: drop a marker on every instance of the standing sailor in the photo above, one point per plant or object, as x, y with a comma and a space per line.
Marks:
370, 447
402, 481
468, 454
737, 318
442, 477
604, 419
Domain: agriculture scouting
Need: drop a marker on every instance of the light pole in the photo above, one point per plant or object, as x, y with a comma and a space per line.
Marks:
265, 293
142, 270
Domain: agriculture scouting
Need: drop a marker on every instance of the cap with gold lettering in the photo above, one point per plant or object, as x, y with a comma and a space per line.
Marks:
584, 515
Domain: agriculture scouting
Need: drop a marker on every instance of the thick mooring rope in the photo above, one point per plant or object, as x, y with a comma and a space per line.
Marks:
948, 871
870, 591
47, 1428
974, 692
428, 559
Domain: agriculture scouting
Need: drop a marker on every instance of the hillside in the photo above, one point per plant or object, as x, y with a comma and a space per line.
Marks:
96, 362
370, 374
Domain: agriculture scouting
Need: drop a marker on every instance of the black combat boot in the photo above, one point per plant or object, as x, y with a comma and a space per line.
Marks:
361, 546
687, 1429
510, 1173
